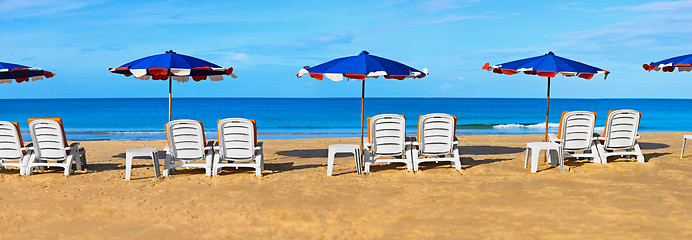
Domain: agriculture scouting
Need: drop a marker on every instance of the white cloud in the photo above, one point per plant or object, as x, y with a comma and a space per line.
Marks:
239, 57
439, 5
28, 8
659, 6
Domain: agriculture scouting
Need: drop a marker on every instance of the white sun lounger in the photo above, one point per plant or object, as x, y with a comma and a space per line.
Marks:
436, 139
13, 153
620, 136
238, 146
387, 138
576, 135
186, 143
50, 144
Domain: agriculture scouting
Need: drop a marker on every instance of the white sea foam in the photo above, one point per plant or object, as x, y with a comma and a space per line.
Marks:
537, 125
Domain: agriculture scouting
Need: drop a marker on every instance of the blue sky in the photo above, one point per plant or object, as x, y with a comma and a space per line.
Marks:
267, 42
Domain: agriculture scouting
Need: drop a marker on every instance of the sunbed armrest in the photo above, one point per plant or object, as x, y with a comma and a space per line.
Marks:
552, 137
28, 147
259, 145
74, 147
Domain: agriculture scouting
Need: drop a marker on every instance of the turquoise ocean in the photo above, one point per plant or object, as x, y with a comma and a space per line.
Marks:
285, 118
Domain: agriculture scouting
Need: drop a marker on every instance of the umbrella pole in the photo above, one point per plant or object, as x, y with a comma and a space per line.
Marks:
170, 86
547, 109
362, 114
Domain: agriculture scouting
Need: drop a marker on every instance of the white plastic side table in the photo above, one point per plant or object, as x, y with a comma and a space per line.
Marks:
533, 150
344, 148
141, 152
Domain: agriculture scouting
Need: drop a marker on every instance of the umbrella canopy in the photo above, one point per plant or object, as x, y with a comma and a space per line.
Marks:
172, 66
21, 73
683, 63
359, 67
548, 65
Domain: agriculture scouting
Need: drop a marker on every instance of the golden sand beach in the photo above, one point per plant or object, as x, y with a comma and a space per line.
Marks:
493, 196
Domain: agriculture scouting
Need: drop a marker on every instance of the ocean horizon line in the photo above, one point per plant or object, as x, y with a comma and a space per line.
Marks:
522, 98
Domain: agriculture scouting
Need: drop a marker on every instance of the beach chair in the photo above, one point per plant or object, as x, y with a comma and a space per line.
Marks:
50, 146
387, 138
576, 135
238, 146
186, 144
436, 139
13, 153
620, 136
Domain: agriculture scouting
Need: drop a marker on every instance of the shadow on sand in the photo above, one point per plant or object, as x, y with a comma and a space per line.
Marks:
467, 162
306, 153
488, 150
651, 146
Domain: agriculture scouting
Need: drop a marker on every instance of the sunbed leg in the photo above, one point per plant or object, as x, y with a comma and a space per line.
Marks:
78, 160
409, 158
67, 169
166, 165
561, 158
366, 160
638, 151
602, 154
457, 161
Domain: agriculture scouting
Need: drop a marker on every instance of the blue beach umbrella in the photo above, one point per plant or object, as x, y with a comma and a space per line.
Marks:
683, 63
21, 73
359, 67
548, 65
172, 66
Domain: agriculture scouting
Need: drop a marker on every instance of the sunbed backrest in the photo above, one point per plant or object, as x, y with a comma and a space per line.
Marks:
436, 133
10, 141
185, 139
237, 138
387, 134
576, 132
47, 136
621, 129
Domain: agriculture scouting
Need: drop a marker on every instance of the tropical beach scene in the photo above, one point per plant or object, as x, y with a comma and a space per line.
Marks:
433, 119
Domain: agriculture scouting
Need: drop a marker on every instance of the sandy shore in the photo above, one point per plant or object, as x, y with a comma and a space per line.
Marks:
493, 196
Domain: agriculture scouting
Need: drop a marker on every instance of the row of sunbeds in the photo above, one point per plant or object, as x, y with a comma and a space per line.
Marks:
577, 138
237, 144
